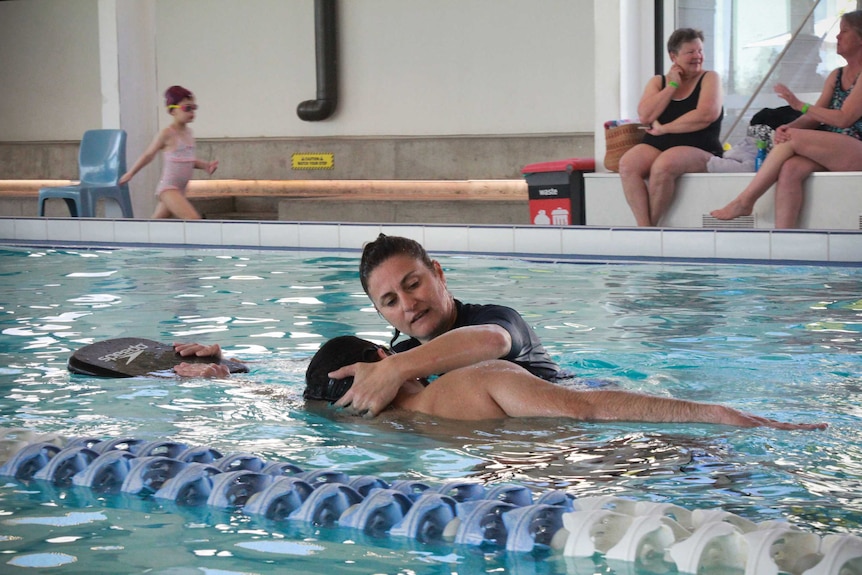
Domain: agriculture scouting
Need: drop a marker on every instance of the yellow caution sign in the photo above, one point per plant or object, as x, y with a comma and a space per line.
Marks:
313, 161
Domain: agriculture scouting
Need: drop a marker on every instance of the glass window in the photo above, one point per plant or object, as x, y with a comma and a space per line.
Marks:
749, 45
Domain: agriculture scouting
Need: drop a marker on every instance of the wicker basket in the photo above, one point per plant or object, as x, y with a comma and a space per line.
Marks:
618, 141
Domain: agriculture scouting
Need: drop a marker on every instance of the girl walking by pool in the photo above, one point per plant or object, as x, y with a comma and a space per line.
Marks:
178, 144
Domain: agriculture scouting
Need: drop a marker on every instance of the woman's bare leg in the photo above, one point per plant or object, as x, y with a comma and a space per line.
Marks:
834, 152
789, 195
743, 204
634, 168
830, 151
669, 166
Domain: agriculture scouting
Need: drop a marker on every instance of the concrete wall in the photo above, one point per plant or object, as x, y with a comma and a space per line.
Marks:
426, 67
50, 69
428, 89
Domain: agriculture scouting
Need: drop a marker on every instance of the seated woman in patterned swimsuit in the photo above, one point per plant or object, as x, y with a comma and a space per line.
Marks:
180, 162
826, 137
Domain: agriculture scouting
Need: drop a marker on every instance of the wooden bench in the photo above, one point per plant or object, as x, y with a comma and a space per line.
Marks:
387, 201
19, 198
833, 201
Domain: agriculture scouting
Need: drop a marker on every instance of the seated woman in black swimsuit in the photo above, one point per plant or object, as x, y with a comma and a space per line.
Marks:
683, 111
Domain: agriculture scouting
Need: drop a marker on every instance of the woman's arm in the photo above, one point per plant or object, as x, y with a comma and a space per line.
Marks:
376, 384
654, 100
820, 112
709, 105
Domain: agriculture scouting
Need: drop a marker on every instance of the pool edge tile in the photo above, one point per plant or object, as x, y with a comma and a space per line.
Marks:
203, 232
799, 245
845, 247
35, 229
539, 240
240, 233
491, 240
446, 238
67, 229
688, 243
279, 234
743, 244
591, 242
355, 236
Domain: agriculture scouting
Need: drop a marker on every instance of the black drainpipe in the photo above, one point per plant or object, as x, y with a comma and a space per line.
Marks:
327, 65
659, 37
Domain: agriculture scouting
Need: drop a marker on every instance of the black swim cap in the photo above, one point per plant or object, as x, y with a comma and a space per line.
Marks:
335, 354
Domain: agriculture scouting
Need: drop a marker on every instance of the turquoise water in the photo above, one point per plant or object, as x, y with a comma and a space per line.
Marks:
782, 341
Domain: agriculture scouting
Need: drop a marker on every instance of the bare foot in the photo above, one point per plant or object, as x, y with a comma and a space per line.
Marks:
732, 210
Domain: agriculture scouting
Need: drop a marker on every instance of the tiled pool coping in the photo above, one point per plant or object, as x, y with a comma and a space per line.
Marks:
836, 247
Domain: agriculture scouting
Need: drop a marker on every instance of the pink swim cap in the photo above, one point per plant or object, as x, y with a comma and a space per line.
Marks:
176, 94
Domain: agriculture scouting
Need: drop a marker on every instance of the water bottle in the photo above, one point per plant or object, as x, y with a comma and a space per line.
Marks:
761, 155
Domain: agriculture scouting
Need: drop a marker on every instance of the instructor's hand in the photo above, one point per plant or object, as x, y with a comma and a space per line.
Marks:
374, 387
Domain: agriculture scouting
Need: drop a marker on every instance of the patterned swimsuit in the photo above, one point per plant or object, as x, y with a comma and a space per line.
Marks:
839, 94
179, 164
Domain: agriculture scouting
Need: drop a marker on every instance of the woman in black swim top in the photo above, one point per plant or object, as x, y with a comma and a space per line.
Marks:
408, 289
683, 111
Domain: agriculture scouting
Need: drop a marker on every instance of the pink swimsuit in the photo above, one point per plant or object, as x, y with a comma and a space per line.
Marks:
179, 164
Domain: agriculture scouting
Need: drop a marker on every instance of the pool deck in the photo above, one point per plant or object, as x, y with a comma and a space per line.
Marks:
562, 243
488, 217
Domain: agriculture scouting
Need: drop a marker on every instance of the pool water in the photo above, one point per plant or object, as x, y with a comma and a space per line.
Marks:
781, 341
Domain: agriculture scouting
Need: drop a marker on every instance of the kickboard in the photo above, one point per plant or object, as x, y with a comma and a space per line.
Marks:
133, 356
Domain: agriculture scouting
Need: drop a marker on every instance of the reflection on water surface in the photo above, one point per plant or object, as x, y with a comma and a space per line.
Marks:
732, 334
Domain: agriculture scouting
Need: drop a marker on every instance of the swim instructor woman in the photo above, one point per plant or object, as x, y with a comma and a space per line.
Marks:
409, 290
683, 110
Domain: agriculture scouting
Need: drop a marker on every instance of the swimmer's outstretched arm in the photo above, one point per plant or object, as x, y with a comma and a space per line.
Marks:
499, 389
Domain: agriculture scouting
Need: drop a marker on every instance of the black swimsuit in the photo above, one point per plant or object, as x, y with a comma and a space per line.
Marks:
527, 351
708, 139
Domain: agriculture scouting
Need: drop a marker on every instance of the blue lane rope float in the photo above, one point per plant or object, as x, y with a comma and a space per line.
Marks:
508, 516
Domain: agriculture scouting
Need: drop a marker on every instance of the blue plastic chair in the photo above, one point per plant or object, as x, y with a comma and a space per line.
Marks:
101, 162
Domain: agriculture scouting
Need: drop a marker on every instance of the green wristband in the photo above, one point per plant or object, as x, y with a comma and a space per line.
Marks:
804, 108
674, 84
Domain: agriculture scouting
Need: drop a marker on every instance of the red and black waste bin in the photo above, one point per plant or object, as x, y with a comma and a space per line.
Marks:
556, 191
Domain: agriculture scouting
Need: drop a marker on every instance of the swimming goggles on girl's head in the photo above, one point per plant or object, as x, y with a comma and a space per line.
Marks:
184, 107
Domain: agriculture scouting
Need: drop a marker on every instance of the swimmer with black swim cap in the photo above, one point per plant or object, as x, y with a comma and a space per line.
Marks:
337, 352
498, 389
